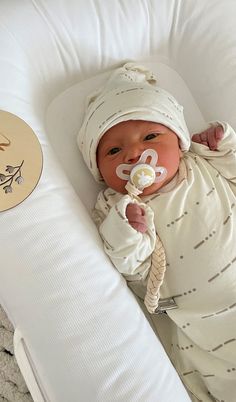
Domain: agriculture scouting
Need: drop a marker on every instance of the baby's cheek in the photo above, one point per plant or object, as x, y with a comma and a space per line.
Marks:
116, 184
172, 163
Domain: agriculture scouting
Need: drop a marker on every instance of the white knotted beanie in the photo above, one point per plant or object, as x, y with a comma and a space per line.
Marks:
131, 93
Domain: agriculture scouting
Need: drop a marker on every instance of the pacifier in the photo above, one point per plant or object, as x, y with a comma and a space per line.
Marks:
142, 174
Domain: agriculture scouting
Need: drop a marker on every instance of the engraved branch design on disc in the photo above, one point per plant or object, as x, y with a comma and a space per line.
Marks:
6, 180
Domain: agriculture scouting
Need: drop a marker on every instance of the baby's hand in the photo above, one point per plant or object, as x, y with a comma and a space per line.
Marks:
210, 137
136, 217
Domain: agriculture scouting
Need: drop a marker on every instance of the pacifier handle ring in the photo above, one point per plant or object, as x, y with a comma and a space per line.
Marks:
149, 152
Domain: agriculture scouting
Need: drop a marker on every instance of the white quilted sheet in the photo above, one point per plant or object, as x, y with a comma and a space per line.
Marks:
80, 334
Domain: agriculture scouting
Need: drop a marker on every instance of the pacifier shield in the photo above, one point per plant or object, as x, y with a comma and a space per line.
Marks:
142, 174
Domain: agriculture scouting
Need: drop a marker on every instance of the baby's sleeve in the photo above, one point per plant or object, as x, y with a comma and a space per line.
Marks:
127, 248
224, 159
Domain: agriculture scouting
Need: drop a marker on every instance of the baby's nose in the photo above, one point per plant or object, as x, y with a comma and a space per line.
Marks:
133, 160
133, 155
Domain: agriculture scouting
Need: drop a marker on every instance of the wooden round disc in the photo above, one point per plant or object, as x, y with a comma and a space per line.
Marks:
21, 160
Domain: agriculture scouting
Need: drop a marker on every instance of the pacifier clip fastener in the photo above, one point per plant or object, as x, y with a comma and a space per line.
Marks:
164, 305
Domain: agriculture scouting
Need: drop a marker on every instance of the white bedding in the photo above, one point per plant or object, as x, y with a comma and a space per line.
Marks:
80, 334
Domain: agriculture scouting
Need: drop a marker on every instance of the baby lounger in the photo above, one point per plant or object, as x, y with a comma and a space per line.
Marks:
80, 334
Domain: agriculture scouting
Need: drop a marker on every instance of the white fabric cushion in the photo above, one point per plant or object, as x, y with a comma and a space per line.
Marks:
84, 335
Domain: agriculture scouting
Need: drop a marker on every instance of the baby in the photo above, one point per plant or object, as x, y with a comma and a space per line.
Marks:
168, 219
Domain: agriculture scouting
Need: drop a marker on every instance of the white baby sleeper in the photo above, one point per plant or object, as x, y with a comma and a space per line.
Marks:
200, 276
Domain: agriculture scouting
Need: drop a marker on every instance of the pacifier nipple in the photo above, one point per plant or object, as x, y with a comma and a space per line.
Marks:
142, 176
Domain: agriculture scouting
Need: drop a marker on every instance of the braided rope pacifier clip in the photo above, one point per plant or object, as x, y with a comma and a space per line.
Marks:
143, 175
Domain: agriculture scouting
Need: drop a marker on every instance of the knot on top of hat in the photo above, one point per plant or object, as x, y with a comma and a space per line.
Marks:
131, 72
136, 73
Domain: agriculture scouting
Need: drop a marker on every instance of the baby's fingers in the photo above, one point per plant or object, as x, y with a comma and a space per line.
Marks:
136, 217
210, 137
219, 133
215, 134
139, 226
212, 140
200, 138
134, 209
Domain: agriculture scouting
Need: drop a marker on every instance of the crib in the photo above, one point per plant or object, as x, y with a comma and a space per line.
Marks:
79, 333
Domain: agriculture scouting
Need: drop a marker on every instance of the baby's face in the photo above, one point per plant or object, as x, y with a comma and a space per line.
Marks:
126, 141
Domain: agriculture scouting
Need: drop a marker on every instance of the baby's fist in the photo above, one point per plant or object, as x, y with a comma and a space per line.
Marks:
136, 217
210, 137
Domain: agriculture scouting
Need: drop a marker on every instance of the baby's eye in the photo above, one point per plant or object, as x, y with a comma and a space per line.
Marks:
113, 151
150, 136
